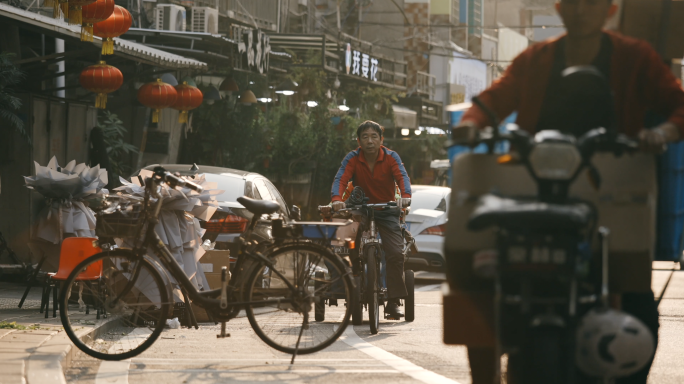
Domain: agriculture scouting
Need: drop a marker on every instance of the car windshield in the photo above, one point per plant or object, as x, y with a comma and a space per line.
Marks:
428, 200
234, 187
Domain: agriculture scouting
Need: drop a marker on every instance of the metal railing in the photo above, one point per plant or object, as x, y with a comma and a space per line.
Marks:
426, 84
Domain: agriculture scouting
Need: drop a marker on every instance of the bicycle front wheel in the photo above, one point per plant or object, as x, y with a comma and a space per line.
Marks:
372, 289
285, 320
114, 305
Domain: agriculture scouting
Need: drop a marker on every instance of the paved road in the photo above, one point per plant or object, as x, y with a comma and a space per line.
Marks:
402, 352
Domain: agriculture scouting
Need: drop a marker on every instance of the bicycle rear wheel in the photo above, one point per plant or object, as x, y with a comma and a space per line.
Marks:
286, 320
114, 305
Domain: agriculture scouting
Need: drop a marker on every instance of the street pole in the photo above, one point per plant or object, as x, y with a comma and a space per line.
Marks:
339, 24
358, 33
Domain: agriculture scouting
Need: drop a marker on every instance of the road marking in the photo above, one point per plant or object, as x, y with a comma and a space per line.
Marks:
116, 372
265, 372
326, 364
404, 366
430, 287
153, 359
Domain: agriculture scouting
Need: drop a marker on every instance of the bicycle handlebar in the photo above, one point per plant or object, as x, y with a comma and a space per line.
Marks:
177, 181
388, 205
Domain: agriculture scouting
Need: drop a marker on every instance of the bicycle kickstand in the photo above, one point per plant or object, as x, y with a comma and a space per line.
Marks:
224, 301
223, 334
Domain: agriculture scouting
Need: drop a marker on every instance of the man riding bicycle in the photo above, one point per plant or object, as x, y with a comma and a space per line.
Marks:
376, 169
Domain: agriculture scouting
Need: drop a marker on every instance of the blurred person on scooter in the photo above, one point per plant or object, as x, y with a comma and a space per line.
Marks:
376, 169
640, 82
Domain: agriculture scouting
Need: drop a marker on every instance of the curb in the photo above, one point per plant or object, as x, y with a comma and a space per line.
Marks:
54, 355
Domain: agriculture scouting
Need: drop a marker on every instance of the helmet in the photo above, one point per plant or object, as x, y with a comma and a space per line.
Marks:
612, 344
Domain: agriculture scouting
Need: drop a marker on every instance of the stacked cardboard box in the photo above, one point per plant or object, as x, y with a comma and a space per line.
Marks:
212, 262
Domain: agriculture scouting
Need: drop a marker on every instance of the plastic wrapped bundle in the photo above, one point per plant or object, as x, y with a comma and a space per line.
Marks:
178, 227
68, 191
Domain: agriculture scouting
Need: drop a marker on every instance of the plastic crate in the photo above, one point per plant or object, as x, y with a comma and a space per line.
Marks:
670, 203
319, 231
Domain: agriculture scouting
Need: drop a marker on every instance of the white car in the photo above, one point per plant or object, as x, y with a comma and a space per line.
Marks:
427, 223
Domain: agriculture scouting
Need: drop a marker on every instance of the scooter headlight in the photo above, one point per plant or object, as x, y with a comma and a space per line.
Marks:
555, 161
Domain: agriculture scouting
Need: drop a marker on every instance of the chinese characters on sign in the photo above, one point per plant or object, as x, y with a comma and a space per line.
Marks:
361, 64
254, 48
355, 65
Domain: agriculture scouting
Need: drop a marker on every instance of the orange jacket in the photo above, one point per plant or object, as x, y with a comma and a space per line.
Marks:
638, 77
379, 185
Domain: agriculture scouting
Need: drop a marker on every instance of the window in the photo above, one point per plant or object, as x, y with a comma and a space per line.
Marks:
262, 190
425, 199
267, 191
278, 198
232, 186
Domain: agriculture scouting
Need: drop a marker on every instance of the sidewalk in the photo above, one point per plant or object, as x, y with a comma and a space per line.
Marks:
34, 350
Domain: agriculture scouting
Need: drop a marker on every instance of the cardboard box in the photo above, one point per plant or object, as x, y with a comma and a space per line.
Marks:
644, 19
626, 204
200, 314
212, 262
468, 318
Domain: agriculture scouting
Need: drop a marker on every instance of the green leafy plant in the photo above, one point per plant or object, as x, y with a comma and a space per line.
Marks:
118, 149
9, 104
12, 325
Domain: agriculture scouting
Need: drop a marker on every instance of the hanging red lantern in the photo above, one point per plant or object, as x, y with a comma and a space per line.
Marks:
93, 13
157, 95
75, 10
189, 97
101, 79
114, 26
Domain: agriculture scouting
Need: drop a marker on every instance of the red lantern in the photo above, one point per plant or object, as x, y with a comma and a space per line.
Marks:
189, 97
94, 13
114, 26
101, 79
157, 95
75, 10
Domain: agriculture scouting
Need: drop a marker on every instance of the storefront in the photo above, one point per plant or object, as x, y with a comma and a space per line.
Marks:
58, 114
345, 58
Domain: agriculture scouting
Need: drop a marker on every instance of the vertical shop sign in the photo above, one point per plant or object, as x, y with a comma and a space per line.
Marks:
254, 48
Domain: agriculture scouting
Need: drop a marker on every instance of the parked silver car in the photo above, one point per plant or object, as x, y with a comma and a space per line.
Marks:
231, 218
427, 222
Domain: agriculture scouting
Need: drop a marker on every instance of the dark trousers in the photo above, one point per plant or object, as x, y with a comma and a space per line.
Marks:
387, 224
638, 304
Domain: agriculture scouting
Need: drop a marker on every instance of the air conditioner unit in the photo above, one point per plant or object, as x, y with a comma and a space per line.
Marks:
205, 19
170, 17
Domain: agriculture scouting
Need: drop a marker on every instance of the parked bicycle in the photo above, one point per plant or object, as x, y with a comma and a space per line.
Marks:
370, 290
131, 297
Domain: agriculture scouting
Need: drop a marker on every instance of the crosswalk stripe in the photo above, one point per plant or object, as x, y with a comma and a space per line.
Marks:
404, 366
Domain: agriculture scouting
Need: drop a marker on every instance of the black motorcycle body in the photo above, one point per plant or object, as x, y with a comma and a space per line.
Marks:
542, 268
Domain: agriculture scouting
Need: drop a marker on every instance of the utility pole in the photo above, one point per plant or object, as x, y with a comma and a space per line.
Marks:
358, 31
339, 23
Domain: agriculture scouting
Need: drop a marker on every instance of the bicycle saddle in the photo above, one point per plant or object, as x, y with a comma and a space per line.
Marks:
258, 207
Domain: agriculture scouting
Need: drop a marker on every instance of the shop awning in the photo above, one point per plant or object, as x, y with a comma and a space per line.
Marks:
216, 50
404, 117
123, 48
